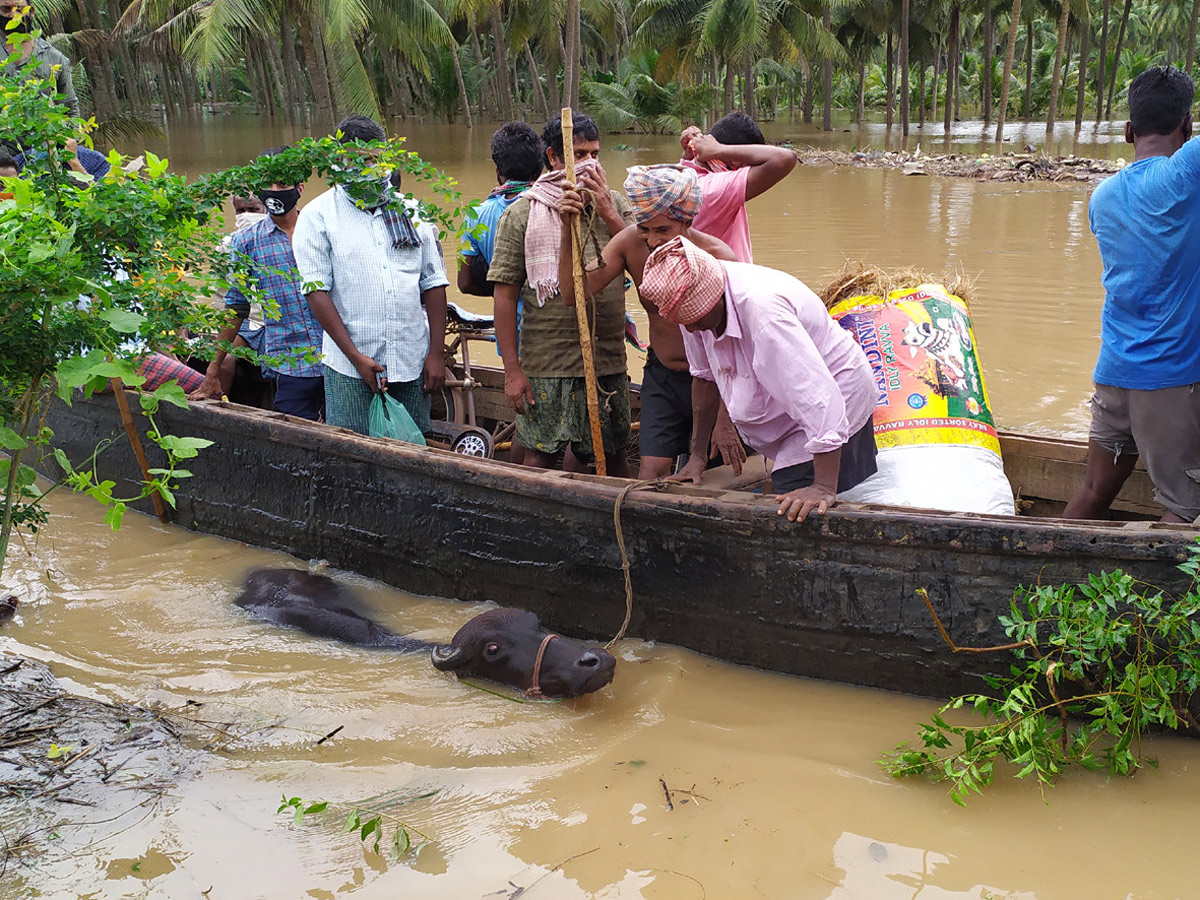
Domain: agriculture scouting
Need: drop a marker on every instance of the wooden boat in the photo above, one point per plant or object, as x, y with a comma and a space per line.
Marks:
714, 568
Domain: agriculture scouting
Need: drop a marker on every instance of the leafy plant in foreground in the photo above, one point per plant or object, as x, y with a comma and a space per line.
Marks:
368, 823
1098, 665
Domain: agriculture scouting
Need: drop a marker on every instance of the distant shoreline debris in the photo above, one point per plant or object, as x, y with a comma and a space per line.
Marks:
1004, 167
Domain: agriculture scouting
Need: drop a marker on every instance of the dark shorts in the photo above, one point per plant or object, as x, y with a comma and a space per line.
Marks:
856, 465
559, 416
1163, 427
303, 397
666, 429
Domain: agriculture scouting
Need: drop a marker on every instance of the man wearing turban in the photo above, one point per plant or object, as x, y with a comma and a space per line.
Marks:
796, 384
664, 200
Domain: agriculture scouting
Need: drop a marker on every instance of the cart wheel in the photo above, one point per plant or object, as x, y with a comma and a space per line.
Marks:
473, 443
453, 403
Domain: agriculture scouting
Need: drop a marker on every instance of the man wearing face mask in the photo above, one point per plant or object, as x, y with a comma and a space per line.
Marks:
265, 249
381, 297
51, 64
543, 380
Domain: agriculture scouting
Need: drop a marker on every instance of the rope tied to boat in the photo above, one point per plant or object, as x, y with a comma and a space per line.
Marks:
657, 484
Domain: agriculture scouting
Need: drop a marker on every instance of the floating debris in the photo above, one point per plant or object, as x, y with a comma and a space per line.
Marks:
1004, 167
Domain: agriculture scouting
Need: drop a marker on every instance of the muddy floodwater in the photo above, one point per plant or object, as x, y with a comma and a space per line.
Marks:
773, 780
775, 787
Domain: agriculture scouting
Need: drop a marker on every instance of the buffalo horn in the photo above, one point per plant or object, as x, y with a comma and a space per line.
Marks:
447, 657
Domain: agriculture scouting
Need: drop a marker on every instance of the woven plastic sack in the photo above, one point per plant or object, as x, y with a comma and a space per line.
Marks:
938, 447
389, 419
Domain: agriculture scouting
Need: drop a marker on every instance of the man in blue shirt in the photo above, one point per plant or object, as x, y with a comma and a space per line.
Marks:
517, 151
1147, 223
266, 249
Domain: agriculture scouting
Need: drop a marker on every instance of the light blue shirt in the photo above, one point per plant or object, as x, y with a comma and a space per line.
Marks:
375, 286
1146, 219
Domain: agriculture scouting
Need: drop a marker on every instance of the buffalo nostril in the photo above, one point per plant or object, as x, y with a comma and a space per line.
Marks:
588, 660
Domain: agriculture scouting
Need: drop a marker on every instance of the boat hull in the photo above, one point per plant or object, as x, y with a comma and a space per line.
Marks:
718, 572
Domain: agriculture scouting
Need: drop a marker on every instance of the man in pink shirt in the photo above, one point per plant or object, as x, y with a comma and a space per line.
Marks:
735, 165
795, 383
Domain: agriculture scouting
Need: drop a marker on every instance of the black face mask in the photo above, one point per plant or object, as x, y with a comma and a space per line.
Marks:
23, 27
280, 203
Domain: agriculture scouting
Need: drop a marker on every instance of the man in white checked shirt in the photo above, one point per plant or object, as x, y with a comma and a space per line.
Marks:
382, 300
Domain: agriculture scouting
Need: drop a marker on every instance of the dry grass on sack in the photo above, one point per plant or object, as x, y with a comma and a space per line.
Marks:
858, 279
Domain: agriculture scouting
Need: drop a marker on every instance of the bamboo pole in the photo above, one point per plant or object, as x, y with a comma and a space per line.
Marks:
118, 389
581, 314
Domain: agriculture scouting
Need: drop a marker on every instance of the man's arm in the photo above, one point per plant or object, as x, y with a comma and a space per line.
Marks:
517, 390
706, 402
768, 164
472, 276
330, 320
210, 389
599, 277
435, 361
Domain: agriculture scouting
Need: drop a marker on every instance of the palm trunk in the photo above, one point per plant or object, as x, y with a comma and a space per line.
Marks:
504, 88
1025, 107
891, 81
1014, 26
989, 43
462, 88
937, 80
951, 64
318, 78
810, 95
291, 69
921, 96
536, 77
485, 87
748, 85
572, 60
827, 75
860, 108
730, 80
1116, 66
1063, 24
905, 15
1081, 73
1190, 58
1101, 75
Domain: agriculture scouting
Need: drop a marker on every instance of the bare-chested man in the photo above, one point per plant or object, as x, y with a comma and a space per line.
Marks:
665, 200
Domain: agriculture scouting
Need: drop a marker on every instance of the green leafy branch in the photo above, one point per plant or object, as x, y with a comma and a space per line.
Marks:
370, 824
1098, 665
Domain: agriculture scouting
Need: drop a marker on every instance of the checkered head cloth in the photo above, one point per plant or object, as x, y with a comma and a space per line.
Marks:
663, 189
683, 281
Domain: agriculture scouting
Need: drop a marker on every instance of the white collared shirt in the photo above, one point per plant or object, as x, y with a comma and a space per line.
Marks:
375, 287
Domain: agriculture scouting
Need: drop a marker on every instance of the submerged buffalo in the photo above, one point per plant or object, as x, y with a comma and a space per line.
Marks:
504, 645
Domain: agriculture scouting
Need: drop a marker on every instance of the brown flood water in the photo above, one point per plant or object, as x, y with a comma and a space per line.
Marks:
786, 802
564, 800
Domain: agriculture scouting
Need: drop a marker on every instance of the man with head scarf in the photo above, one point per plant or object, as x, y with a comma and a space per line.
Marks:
796, 384
16, 18
664, 199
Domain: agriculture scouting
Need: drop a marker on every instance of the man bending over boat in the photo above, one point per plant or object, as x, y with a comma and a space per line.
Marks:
543, 382
265, 248
665, 200
382, 295
1146, 219
797, 386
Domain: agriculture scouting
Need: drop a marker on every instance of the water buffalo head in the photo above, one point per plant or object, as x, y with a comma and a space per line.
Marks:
503, 645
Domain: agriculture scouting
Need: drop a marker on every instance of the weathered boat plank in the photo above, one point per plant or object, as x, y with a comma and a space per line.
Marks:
713, 570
